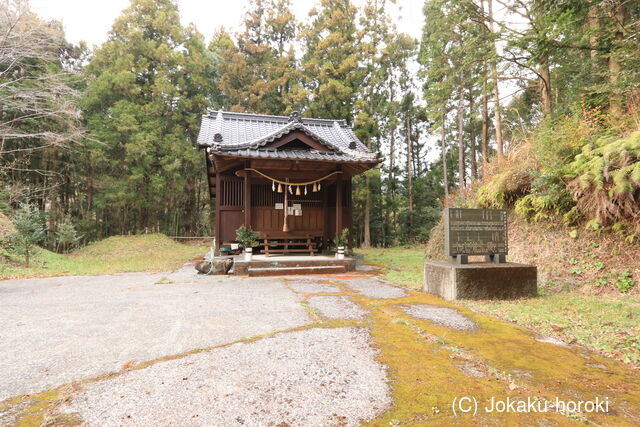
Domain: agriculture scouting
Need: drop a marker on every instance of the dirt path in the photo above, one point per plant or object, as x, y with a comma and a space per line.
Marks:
333, 350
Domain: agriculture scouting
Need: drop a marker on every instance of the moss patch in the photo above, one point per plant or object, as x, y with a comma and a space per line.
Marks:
430, 365
608, 323
35, 409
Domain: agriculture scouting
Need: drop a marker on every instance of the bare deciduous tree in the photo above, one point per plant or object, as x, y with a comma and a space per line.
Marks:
39, 112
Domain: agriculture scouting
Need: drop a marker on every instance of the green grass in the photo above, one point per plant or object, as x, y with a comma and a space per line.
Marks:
607, 323
118, 254
401, 265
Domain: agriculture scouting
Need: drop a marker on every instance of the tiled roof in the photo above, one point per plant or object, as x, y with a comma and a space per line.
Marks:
245, 135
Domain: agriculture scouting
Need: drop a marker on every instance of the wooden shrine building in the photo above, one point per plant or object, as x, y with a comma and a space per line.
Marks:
288, 178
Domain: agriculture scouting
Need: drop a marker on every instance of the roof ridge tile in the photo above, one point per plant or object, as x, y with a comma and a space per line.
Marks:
225, 131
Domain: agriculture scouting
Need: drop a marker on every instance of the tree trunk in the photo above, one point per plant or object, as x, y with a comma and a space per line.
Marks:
90, 188
409, 174
619, 18
496, 91
545, 86
472, 137
380, 236
444, 157
461, 168
594, 29
485, 109
367, 214
392, 183
485, 125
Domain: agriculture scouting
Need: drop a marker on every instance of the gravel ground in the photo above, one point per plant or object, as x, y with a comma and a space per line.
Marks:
339, 307
311, 377
374, 288
312, 287
312, 279
59, 330
448, 317
62, 329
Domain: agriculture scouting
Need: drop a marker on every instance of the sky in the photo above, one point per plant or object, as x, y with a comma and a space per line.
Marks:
91, 20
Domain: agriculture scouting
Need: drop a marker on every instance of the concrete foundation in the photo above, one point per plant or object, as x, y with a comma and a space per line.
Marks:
480, 280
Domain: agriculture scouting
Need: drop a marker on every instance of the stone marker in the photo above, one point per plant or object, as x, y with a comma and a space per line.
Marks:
478, 232
475, 232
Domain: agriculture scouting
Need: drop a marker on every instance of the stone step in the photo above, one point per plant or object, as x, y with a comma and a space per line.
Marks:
282, 271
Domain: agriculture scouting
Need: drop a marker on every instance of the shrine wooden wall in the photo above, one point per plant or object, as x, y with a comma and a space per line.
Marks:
266, 218
318, 209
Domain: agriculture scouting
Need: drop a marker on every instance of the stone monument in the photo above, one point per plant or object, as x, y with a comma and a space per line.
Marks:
478, 232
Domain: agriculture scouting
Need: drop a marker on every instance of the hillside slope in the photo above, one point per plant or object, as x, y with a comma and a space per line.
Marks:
117, 254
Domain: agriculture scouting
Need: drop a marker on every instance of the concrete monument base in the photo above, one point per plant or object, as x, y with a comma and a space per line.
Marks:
480, 281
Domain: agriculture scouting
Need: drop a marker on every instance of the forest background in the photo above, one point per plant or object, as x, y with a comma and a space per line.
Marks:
99, 142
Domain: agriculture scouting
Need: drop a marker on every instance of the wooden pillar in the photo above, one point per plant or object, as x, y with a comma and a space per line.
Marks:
338, 203
211, 182
348, 194
247, 196
218, 225
326, 232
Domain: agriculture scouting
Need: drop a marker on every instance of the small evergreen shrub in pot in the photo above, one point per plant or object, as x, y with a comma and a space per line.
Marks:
248, 239
341, 241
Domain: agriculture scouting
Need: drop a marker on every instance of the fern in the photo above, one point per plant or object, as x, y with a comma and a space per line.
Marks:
605, 180
635, 174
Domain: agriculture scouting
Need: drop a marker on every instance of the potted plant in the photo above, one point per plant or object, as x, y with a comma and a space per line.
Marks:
340, 241
248, 239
